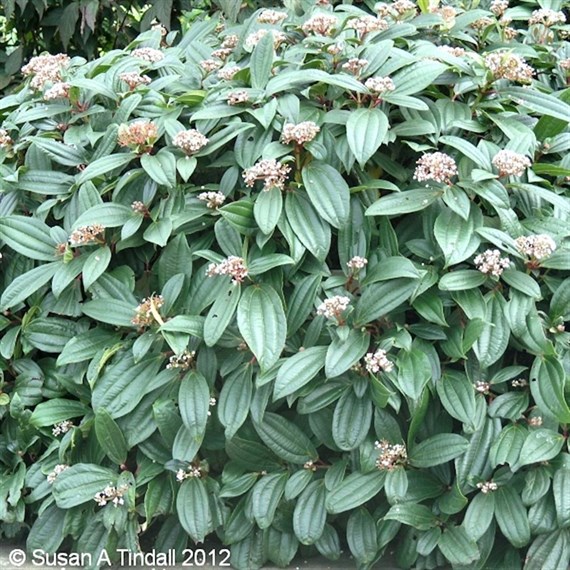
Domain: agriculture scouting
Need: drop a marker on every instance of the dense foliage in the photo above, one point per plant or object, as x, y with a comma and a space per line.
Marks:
299, 280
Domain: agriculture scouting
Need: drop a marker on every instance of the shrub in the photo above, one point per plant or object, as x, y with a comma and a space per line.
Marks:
296, 281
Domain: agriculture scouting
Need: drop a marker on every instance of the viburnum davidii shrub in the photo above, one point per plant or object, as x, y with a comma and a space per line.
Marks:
295, 285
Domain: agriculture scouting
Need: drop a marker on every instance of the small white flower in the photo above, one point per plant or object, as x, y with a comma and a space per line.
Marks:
436, 166
228, 72
490, 262
510, 163
391, 455
357, 262
301, 133
321, 24
190, 141
506, 65
487, 487
380, 85
213, 199
271, 17
536, 246
377, 361
272, 172
333, 307
233, 266
62, 427
148, 54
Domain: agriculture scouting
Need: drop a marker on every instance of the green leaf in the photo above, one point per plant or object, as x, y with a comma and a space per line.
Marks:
547, 386
414, 372
28, 236
343, 353
265, 497
560, 486
95, 266
194, 403
104, 165
461, 280
538, 102
494, 337
221, 313
111, 311
298, 370
26, 284
56, 410
550, 550
309, 516
457, 395
508, 445
522, 282
107, 214
438, 449
417, 76
456, 236
511, 516
262, 323
540, 445
86, 345
240, 215
261, 62
355, 490
403, 202
267, 262
365, 131
378, 300
328, 192
80, 483
468, 150
457, 547
235, 400
155, 168
479, 515
362, 536
193, 508
351, 420
59, 152
267, 209
285, 439
110, 437
417, 516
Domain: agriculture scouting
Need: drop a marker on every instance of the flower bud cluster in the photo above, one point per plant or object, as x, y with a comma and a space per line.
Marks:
5, 139
333, 307
301, 133
145, 312
391, 455
233, 266
45, 69
535, 421
209, 65
482, 387
454, 51
181, 361
490, 262
148, 54
436, 166
222, 53
190, 141
506, 65
310, 465
519, 383
380, 85
213, 199
272, 17
139, 207
498, 7
228, 72
377, 361
139, 135
321, 24
537, 246
86, 235
357, 262
482, 23
62, 427
487, 487
272, 172
59, 90
191, 472
230, 41
111, 494
355, 65
253, 39
134, 79
510, 163
396, 10
56, 471
547, 17
367, 24
448, 14
237, 97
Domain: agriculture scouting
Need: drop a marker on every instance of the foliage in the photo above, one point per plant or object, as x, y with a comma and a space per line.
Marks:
372, 290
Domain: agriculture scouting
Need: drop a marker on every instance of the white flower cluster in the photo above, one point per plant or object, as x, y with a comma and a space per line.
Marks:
355, 65
209, 65
454, 51
211, 404
45, 69
272, 17
482, 387
237, 97
436, 166
482, 23
190, 141
272, 172
506, 65
535, 421
380, 85
86, 234
357, 262
233, 266
139, 207
253, 39
181, 361
333, 307
391, 455
213, 199
183, 474
228, 72
301, 133
56, 471
564, 63
310, 465
487, 487
396, 10
5, 139
377, 361
138, 135
510, 163
148, 54
537, 246
490, 262
230, 41
367, 24
59, 90
133, 79
322, 24
145, 312
62, 427
111, 494
448, 14
498, 7
519, 383
547, 17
